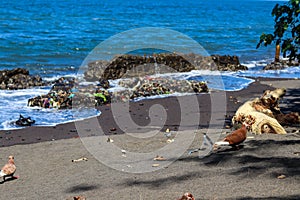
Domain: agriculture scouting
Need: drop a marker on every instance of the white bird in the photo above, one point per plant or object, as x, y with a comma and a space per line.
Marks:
8, 169
206, 142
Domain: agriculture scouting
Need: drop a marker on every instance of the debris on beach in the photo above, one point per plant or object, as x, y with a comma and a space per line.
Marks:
282, 176
77, 198
80, 159
168, 133
155, 165
159, 158
112, 129
24, 121
170, 141
123, 152
9, 169
110, 140
266, 113
297, 153
187, 196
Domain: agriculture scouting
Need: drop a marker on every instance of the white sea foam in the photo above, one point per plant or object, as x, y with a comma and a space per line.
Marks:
291, 72
14, 102
59, 76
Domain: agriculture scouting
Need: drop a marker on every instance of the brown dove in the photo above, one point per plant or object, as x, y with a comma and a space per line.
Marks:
235, 138
9, 169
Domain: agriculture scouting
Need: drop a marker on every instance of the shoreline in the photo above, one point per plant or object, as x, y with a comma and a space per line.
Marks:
139, 113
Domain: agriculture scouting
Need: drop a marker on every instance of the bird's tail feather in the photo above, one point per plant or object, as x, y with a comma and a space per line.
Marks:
2, 174
222, 143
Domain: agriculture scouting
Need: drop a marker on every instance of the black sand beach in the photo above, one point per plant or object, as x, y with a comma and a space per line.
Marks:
43, 156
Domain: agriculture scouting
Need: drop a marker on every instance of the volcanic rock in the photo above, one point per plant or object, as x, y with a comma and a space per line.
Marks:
18, 78
280, 65
137, 65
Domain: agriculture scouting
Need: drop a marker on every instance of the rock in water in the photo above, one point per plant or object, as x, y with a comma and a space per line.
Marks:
25, 121
64, 95
143, 65
282, 64
18, 78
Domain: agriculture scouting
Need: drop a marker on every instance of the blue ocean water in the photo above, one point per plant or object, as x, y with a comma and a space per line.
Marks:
52, 38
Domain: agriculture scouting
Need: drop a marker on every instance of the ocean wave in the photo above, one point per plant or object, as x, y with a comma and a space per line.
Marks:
290, 72
14, 102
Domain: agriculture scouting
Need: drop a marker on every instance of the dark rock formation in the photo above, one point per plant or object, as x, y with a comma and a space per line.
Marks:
60, 95
280, 65
139, 87
228, 63
104, 83
134, 65
18, 78
24, 121
65, 92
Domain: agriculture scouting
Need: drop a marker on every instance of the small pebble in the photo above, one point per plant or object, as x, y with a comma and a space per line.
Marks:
170, 140
281, 176
159, 158
112, 129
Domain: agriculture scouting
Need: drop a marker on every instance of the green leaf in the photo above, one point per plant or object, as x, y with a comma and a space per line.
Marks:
286, 29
